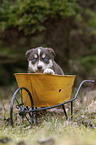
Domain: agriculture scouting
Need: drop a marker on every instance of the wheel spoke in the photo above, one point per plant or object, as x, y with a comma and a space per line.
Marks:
19, 121
15, 114
26, 99
17, 101
21, 96
29, 112
25, 102
27, 119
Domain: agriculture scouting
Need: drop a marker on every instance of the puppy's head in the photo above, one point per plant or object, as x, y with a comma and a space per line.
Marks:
40, 59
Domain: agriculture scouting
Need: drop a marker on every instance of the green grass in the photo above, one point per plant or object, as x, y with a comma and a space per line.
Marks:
52, 124
62, 132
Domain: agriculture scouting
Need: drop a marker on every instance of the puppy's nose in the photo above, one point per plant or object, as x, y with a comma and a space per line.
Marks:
39, 67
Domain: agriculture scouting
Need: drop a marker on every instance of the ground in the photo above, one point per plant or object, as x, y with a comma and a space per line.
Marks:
80, 131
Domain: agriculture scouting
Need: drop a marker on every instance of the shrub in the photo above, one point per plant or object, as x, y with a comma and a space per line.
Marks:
29, 16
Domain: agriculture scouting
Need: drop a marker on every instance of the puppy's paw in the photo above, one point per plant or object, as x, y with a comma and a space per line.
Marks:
49, 71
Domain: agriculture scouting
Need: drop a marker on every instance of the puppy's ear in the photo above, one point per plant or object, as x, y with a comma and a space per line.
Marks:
28, 53
51, 51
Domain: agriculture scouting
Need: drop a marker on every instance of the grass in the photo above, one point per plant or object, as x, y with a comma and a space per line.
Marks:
52, 124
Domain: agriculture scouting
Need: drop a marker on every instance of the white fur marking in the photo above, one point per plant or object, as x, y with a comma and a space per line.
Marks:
40, 63
33, 67
35, 55
43, 55
49, 71
50, 64
39, 51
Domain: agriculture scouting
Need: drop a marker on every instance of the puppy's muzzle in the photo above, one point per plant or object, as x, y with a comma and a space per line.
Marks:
39, 67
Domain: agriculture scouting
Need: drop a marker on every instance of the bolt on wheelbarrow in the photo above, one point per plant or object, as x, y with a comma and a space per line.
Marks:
38, 92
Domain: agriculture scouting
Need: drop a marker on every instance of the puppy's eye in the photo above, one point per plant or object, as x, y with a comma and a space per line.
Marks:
46, 60
34, 60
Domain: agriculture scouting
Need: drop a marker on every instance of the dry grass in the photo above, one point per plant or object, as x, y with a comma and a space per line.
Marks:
53, 124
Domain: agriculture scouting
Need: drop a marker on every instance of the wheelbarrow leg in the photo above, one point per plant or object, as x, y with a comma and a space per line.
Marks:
36, 114
71, 110
65, 112
32, 116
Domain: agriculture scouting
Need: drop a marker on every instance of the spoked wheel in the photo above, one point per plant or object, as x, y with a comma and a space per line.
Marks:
19, 112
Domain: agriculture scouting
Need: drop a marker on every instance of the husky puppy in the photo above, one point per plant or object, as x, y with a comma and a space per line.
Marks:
41, 60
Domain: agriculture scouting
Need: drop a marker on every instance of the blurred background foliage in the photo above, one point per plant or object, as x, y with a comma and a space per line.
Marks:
68, 26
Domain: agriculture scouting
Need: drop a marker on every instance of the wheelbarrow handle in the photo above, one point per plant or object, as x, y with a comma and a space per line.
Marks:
95, 83
84, 81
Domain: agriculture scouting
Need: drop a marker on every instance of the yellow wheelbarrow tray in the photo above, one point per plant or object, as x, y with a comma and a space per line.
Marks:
39, 92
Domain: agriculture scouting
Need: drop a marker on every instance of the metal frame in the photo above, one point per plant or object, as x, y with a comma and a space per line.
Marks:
25, 111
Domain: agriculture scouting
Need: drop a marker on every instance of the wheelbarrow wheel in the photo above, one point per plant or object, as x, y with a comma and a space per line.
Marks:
19, 112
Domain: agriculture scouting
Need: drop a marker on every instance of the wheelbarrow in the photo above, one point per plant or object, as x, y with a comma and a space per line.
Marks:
38, 92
